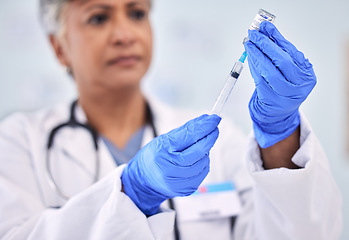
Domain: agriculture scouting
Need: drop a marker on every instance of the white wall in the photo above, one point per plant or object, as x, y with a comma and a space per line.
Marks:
196, 44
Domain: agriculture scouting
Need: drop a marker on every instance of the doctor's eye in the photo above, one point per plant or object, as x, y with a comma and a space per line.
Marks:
98, 19
137, 14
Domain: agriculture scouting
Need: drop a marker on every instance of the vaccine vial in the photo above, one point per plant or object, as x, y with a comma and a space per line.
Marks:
261, 16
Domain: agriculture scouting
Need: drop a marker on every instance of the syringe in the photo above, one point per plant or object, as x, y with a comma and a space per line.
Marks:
261, 16
229, 85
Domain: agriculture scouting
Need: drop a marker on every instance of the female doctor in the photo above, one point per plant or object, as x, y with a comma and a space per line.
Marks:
100, 167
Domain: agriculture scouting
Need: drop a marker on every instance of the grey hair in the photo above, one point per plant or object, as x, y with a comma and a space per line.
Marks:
50, 14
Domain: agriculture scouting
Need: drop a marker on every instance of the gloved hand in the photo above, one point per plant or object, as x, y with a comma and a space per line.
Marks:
171, 165
283, 78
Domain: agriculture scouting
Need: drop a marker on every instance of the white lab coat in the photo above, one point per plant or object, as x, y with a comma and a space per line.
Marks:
277, 204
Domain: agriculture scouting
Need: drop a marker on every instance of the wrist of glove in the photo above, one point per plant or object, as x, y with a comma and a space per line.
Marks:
283, 78
171, 165
270, 130
146, 199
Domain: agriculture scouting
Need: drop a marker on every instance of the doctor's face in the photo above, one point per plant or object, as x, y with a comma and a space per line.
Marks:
106, 43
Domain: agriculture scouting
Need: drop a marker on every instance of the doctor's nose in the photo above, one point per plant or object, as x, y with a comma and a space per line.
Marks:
122, 34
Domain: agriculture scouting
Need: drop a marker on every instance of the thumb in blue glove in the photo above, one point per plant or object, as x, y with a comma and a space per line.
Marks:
283, 78
171, 165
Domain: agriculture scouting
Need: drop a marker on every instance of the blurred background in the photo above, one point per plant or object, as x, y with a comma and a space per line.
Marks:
196, 44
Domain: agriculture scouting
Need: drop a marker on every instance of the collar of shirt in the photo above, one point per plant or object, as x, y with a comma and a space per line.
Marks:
122, 156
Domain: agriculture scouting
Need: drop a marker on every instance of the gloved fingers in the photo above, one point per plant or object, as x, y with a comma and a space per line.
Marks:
266, 74
186, 172
195, 181
197, 151
305, 69
267, 110
272, 102
269, 29
187, 186
183, 137
280, 58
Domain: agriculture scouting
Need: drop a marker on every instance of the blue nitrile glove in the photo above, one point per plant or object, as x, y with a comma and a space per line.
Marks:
171, 165
283, 78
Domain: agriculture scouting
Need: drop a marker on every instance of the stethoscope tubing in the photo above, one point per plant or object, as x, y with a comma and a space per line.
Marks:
72, 122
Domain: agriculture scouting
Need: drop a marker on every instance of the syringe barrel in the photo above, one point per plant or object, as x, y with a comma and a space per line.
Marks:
223, 96
237, 69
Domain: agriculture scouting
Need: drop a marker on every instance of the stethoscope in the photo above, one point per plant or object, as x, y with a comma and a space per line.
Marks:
73, 123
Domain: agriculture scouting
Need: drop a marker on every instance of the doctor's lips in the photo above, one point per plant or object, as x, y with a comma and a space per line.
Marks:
124, 61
